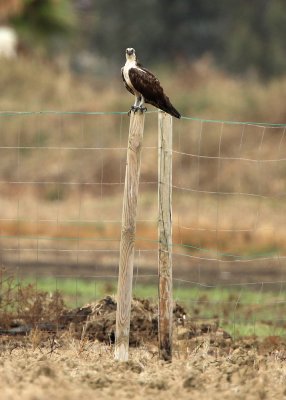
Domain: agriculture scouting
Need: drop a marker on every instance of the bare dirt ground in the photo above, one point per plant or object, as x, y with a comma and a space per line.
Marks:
78, 369
68, 354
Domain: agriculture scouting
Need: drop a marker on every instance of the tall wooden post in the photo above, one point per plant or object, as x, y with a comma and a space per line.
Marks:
165, 235
124, 293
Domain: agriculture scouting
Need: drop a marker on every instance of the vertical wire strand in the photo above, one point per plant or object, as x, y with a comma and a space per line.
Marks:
218, 198
38, 129
259, 175
198, 196
239, 190
59, 173
18, 213
80, 195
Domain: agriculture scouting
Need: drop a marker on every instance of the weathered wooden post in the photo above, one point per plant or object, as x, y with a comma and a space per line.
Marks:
128, 229
165, 235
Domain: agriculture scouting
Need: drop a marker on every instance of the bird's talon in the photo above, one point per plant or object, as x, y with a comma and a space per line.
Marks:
134, 109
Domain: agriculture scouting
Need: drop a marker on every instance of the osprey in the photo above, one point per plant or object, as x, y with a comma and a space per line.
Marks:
144, 86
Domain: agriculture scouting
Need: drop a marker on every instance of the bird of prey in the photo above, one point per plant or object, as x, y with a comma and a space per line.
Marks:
144, 86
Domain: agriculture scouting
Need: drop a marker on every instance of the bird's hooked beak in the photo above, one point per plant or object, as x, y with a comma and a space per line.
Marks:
130, 53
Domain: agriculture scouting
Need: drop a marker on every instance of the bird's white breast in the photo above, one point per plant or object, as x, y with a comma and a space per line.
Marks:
128, 65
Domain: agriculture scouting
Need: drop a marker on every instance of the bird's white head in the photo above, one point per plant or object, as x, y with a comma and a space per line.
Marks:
130, 54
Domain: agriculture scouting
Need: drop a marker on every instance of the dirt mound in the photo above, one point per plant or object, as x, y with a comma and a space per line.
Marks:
101, 321
97, 321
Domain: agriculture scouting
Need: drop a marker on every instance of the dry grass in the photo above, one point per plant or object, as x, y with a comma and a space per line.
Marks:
237, 229
198, 89
25, 305
202, 90
76, 369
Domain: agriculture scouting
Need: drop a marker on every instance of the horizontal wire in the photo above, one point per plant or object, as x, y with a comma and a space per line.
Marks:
215, 259
202, 285
70, 148
101, 113
237, 302
206, 285
54, 112
101, 222
235, 259
58, 238
229, 193
16, 249
69, 183
191, 228
71, 221
229, 122
99, 276
141, 183
255, 160
258, 256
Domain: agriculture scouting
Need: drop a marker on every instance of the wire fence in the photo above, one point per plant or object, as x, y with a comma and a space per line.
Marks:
61, 189
61, 192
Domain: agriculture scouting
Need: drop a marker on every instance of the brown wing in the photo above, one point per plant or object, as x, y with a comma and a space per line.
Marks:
149, 86
146, 84
125, 83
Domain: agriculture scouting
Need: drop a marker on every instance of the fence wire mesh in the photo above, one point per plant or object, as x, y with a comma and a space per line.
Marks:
61, 188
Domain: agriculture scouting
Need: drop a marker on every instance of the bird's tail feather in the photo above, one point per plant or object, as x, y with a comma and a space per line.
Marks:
167, 106
172, 111
164, 104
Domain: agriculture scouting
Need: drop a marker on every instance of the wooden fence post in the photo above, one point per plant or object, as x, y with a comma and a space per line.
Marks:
124, 293
165, 235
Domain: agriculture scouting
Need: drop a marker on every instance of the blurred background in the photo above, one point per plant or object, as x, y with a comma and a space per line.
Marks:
223, 60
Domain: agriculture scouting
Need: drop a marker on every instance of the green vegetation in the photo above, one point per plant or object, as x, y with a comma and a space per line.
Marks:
240, 311
42, 23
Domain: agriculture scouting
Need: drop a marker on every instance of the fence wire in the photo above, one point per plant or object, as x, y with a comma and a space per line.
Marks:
61, 188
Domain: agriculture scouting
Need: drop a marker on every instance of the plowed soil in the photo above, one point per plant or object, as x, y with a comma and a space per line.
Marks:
73, 358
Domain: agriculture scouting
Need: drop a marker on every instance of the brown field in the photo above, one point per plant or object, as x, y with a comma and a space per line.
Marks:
62, 191
77, 361
87, 370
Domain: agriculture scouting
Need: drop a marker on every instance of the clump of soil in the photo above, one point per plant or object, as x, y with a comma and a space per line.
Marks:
97, 321
101, 323
101, 320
